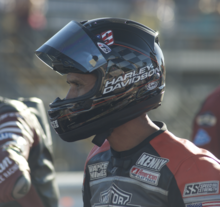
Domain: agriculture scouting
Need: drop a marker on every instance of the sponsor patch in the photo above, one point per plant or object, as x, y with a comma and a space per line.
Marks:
201, 188
145, 175
206, 119
201, 138
54, 124
152, 85
205, 204
107, 37
98, 170
104, 47
115, 196
151, 162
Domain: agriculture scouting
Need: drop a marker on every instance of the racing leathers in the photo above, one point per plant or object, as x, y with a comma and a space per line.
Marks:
27, 177
206, 125
162, 171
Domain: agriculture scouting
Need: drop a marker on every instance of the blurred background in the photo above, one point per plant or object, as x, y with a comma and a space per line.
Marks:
189, 36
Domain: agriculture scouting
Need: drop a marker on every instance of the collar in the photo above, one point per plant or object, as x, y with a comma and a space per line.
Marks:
126, 153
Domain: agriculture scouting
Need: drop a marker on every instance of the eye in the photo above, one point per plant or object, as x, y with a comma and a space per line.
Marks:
74, 83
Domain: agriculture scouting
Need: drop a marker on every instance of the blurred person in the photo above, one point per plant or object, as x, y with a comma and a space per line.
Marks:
116, 72
27, 177
206, 124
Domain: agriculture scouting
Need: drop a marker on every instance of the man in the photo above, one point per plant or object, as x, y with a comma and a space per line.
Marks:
116, 72
206, 125
27, 177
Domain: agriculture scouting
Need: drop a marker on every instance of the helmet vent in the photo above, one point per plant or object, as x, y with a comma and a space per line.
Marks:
138, 24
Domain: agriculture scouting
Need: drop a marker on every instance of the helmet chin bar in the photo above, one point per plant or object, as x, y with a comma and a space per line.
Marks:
103, 128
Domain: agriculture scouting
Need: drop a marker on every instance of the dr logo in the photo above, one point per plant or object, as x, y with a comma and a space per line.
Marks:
115, 197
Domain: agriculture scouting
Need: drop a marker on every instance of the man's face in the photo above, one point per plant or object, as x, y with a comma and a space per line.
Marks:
80, 84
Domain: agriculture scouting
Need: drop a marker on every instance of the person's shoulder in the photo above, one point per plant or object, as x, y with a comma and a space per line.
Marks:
179, 150
213, 98
11, 105
189, 164
96, 150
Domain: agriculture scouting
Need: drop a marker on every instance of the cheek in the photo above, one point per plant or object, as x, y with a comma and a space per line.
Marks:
72, 93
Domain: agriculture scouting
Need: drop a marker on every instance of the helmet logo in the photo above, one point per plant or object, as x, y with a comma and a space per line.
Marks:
104, 47
152, 85
107, 37
130, 78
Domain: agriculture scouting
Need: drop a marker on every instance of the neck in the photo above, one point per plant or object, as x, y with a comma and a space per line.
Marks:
132, 133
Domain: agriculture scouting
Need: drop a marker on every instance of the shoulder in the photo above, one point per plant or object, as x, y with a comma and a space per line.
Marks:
178, 150
189, 164
213, 99
10, 105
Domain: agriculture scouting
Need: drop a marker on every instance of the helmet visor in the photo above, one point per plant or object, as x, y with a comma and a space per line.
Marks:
72, 47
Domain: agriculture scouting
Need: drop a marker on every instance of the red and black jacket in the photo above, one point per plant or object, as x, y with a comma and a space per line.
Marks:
162, 171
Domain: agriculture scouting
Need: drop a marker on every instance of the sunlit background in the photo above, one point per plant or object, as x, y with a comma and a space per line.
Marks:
189, 35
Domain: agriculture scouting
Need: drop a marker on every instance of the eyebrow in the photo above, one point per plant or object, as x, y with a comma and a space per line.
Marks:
75, 80
72, 81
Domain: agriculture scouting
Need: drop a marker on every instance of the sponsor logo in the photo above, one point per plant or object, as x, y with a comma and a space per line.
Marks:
114, 197
54, 124
152, 162
129, 78
104, 47
206, 119
107, 37
201, 138
194, 205
113, 171
98, 170
5, 164
152, 85
144, 175
7, 135
206, 204
202, 188
98, 36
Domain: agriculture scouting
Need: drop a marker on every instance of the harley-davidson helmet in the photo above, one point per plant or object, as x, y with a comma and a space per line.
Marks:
129, 65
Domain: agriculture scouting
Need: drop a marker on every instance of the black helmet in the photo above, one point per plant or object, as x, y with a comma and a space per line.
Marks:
129, 65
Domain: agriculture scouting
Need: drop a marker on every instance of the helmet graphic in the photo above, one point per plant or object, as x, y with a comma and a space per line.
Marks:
129, 65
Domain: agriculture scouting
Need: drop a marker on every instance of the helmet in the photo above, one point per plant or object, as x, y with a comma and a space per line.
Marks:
129, 65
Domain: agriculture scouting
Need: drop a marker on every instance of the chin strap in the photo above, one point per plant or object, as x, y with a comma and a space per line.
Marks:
100, 138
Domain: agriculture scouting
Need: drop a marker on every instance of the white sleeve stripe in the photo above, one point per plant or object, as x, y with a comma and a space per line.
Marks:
9, 123
26, 126
7, 135
18, 124
201, 199
18, 130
